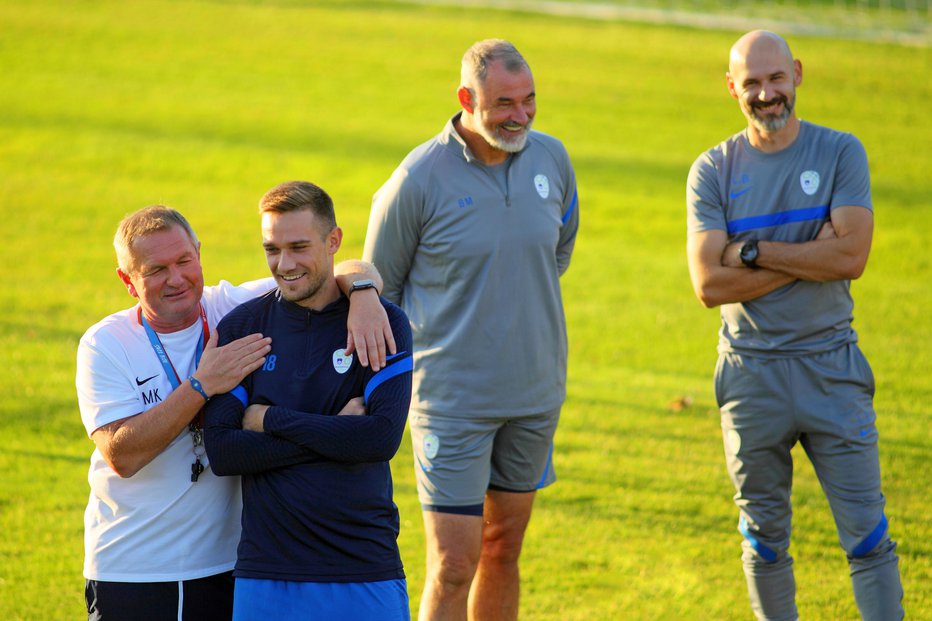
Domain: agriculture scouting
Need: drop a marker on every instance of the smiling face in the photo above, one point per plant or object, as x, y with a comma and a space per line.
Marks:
763, 77
299, 251
500, 108
165, 274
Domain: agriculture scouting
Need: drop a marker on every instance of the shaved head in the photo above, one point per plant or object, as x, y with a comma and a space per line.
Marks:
757, 42
763, 76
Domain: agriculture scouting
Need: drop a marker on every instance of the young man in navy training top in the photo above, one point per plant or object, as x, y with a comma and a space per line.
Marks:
780, 221
312, 432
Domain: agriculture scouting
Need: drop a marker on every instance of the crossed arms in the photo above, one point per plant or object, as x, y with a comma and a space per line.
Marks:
243, 439
839, 252
129, 444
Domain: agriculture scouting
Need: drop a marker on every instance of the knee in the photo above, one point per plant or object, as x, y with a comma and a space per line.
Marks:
760, 548
875, 545
502, 542
452, 569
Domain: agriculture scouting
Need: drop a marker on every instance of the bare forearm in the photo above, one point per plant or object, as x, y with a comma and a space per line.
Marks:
717, 281
354, 269
818, 261
130, 444
839, 251
728, 285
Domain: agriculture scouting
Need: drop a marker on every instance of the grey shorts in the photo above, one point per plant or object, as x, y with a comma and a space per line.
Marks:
458, 459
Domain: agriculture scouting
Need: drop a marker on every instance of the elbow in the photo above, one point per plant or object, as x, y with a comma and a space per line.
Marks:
221, 469
708, 301
707, 297
125, 468
218, 465
385, 450
856, 268
849, 269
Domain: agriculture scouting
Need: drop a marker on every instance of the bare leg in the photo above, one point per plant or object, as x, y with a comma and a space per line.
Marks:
453, 546
495, 590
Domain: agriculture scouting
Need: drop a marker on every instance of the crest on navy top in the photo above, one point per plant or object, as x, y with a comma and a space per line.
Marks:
341, 361
809, 181
542, 185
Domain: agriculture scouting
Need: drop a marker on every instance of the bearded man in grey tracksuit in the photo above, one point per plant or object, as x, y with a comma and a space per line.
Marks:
471, 234
780, 221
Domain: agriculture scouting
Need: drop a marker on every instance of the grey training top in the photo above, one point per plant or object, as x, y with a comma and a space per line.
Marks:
474, 259
784, 196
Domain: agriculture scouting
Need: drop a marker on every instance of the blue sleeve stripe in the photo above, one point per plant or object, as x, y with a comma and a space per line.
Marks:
572, 208
775, 219
766, 553
870, 542
240, 393
393, 370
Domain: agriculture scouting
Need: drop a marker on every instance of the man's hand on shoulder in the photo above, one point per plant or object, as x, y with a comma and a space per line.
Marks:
368, 331
222, 368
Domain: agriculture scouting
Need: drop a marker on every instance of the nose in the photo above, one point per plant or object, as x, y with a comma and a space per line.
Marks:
524, 113
285, 263
766, 92
175, 275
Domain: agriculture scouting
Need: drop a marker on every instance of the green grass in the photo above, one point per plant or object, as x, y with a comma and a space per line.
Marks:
107, 107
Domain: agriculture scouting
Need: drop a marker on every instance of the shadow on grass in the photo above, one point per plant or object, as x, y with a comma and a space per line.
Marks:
61, 457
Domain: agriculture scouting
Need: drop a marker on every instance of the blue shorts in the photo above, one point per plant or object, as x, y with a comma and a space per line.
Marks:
260, 600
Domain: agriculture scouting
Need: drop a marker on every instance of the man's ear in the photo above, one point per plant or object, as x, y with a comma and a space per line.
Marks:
334, 239
125, 279
797, 72
465, 98
731, 85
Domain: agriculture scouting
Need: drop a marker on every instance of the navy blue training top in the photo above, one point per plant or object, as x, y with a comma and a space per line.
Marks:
317, 488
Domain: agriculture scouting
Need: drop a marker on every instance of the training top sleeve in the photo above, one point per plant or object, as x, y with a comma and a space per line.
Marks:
372, 437
852, 176
570, 220
704, 208
394, 231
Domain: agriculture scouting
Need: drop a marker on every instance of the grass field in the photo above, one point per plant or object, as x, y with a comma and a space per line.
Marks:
106, 107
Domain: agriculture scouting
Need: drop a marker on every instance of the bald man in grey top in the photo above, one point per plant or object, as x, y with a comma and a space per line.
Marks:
780, 221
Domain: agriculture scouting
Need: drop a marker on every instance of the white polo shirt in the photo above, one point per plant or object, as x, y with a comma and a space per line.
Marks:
157, 525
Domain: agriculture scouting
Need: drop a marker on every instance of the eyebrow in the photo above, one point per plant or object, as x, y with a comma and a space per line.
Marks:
295, 242
506, 99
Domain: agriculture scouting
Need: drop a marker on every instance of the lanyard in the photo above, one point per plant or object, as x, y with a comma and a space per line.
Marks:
159, 349
195, 427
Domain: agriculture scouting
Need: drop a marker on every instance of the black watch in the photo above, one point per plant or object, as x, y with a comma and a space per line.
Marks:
361, 284
749, 253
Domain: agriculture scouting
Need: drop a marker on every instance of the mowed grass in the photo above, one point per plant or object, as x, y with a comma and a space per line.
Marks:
107, 107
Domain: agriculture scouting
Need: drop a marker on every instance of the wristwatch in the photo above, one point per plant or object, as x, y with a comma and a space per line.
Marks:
361, 284
749, 253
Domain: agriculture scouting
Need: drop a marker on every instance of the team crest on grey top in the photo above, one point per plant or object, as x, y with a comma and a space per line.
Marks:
809, 181
542, 185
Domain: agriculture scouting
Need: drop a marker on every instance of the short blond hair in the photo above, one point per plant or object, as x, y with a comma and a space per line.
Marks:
146, 221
